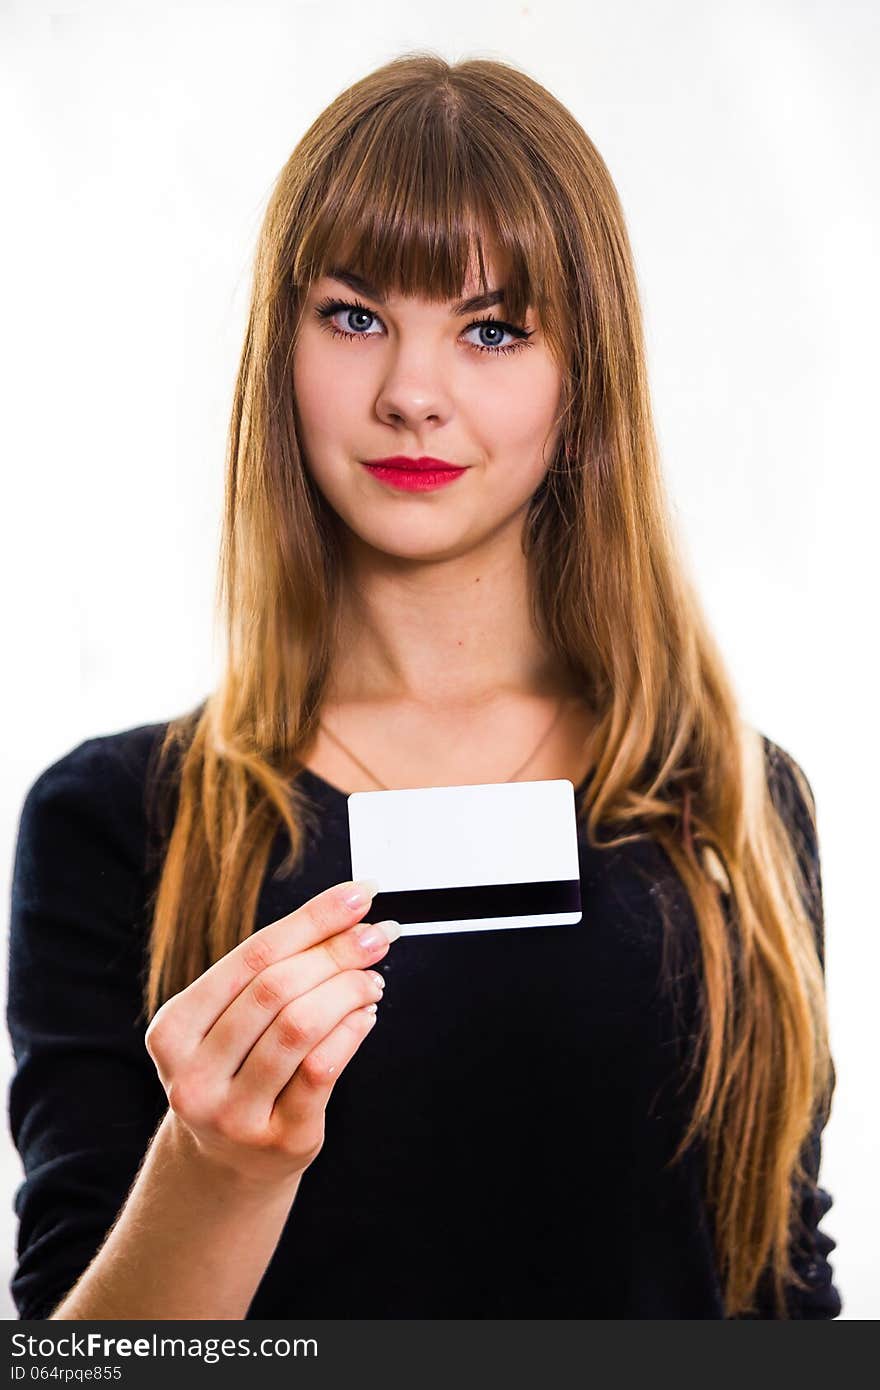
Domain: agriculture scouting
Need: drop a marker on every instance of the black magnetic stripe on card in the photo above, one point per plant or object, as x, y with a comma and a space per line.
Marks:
477, 900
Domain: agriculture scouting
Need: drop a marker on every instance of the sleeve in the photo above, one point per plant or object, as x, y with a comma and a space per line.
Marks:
793, 797
85, 1097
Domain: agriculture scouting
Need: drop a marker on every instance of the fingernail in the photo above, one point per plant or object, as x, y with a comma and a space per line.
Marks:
373, 935
360, 892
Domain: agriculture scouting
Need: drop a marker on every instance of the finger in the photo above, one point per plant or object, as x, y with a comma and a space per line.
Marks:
308, 1090
197, 1007
236, 1031
300, 1026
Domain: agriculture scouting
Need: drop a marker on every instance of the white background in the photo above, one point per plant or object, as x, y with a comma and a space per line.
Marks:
139, 145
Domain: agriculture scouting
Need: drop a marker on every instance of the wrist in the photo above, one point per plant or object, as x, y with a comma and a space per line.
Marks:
213, 1173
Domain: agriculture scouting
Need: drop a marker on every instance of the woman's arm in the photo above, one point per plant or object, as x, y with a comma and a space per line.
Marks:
793, 797
118, 1217
192, 1241
84, 1099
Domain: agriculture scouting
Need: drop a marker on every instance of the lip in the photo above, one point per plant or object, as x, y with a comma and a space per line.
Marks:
408, 465
413, 475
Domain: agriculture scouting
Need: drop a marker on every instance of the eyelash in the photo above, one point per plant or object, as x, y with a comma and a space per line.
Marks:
328, 307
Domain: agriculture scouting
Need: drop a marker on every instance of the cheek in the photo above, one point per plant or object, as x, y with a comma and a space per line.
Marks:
517, 416
326, 381
308, 376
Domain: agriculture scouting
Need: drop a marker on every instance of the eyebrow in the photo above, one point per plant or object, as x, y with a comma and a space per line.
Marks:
467, 306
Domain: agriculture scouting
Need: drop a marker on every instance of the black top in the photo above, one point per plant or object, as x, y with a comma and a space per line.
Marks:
496, 1146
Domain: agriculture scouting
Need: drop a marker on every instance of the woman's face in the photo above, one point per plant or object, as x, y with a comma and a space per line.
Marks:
406, 378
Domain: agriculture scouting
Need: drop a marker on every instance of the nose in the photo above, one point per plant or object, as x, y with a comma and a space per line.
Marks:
412, 393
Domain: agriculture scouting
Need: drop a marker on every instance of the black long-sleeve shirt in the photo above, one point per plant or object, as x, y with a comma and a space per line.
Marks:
496, 1146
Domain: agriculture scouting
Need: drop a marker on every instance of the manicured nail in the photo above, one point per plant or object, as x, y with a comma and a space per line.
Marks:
372, 935
360, 892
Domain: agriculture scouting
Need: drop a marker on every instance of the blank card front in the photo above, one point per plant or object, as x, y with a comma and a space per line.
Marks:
472, 858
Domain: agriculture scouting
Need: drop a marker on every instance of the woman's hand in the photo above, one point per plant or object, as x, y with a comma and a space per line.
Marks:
250, 1051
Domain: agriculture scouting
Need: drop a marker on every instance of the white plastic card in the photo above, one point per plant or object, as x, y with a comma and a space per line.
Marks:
470, 858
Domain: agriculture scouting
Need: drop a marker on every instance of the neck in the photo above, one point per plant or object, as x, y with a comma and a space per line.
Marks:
450, 634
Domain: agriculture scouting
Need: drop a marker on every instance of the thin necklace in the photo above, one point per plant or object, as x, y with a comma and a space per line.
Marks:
556, 718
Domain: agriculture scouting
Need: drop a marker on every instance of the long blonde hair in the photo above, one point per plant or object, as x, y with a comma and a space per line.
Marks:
400, 177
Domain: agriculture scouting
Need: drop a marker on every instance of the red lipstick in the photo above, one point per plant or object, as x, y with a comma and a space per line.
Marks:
413, 475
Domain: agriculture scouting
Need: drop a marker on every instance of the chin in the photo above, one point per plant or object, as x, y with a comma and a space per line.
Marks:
421, 543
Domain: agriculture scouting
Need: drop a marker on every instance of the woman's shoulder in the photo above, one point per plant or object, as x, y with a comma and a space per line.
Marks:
123, 755
94, 790
792, 795
81, 880
788, 783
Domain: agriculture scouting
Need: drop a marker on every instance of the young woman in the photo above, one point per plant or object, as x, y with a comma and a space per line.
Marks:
616, 1119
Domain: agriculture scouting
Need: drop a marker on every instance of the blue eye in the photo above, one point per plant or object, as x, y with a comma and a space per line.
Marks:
328, 310
357, 312
520, 336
